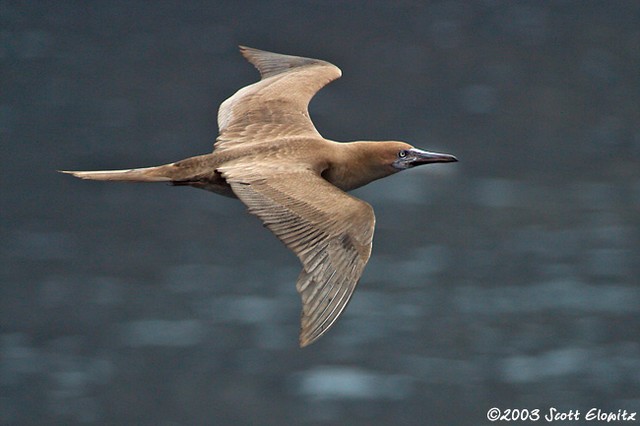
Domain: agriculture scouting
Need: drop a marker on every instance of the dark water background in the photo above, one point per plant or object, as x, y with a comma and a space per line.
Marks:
509, 279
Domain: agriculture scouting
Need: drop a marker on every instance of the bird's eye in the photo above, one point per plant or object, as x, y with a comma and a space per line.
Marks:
402, 153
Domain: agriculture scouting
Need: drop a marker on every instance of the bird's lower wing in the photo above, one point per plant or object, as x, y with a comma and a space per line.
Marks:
330, 231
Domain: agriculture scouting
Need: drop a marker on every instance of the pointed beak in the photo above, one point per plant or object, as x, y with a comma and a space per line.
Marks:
417, 157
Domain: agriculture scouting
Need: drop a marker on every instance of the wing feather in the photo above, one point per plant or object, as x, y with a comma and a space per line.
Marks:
333, 243
277, 105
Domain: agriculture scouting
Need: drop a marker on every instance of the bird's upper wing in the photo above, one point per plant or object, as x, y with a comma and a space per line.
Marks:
277, 105
330, 232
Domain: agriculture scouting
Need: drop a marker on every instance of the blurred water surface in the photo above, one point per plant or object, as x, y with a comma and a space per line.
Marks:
509, 279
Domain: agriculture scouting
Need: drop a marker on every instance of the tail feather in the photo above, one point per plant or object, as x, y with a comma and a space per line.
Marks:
147, 174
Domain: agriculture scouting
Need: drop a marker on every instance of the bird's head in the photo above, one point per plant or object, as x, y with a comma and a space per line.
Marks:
368, 161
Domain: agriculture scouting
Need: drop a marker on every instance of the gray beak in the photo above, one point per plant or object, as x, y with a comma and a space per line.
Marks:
418, 157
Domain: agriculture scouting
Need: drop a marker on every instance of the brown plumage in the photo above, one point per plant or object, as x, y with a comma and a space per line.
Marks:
270, 156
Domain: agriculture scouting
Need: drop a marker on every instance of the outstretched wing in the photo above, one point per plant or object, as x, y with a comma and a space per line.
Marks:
277, 105
330, 232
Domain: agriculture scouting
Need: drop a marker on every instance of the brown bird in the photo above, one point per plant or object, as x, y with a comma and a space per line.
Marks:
270, 156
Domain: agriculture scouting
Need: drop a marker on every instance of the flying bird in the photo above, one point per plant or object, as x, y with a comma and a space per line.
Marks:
270, 156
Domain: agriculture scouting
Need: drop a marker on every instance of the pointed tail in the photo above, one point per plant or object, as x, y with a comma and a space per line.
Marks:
147, 174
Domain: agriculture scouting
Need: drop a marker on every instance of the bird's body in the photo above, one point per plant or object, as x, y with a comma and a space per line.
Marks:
271, 157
